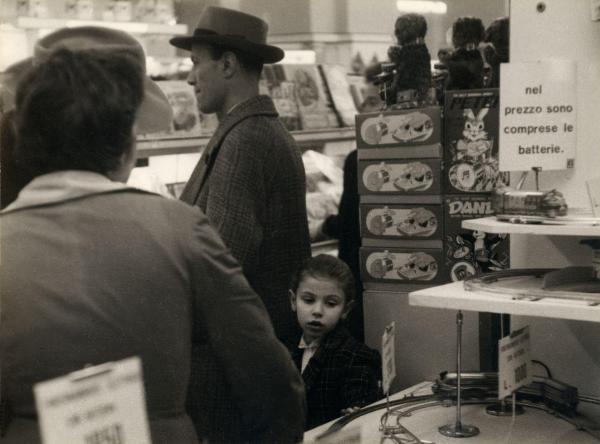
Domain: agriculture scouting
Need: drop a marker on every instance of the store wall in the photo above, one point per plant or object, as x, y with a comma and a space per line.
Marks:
563, 31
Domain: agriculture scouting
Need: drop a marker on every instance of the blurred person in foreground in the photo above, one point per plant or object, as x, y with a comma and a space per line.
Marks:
96, 271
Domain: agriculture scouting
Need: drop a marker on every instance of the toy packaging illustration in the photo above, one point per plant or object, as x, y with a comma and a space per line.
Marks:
471, 141
283, 93
414, 176
415, 221
469, 252
393, 128
401, 265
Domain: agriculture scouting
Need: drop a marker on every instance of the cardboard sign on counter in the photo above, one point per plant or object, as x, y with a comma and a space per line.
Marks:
514, 362
100, 404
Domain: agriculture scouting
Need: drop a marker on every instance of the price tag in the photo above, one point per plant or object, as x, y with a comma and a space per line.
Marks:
104, 404
388, 356
514, 362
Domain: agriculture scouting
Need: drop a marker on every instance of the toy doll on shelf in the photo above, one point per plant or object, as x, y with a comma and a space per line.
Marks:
497, 48
411, 82
465, 64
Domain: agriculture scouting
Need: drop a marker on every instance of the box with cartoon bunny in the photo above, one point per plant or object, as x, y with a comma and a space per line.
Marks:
399, 177
395, 221
469, 252
422, 266
396, 129
471, 141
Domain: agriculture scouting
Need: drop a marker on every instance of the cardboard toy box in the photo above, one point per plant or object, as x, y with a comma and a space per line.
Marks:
399, 177
414, 266
412, 133
392, 221
469, 252
471, 122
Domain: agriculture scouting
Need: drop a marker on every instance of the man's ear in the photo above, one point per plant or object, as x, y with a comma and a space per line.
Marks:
230, 64
347, 309
292, 300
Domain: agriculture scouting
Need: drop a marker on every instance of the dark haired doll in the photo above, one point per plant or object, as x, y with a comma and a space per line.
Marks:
496, 52
465, 64
411, 59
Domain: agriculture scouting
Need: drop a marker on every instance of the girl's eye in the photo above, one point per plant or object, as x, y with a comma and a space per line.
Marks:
307, 299
332, 303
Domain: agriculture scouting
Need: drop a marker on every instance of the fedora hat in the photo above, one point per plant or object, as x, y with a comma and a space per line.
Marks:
232, 29
155, 113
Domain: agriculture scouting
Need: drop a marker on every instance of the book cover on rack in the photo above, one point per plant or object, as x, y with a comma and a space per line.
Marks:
186, 120
338, 88
283, 93
316, 110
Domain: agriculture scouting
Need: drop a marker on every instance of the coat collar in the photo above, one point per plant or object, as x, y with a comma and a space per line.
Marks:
260, 105
62, 186
331, 342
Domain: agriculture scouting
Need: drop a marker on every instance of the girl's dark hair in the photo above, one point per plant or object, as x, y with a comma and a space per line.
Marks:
326, 266
76, 110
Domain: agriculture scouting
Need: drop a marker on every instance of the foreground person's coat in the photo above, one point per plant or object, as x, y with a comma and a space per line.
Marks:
93, 271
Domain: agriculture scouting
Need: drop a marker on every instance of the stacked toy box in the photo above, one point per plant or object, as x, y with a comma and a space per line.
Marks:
400, 186
471, 173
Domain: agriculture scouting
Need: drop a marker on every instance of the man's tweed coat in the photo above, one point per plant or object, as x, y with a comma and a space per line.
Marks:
250, 182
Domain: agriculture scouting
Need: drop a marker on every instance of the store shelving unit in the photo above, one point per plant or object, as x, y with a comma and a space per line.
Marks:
454, 296
491, 225
133, 27
306, 138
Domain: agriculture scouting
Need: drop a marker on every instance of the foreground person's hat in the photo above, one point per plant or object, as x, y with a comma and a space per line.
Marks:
232, 29
155, 113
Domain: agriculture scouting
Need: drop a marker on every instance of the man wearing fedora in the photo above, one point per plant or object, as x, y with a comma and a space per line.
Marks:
250, 182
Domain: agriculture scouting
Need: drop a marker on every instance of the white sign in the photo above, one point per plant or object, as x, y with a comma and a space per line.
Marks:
538, 115
514, 362
388, 356
104, 404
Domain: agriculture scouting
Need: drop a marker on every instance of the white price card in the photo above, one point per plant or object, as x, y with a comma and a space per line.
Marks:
388, 356
538, 124
104, 404
514, 362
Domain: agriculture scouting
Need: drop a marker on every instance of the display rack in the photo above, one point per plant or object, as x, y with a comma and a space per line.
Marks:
491, 225
305, 138
454, 296
133, 27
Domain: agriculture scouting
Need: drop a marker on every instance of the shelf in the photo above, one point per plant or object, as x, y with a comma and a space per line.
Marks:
491, 225
454, 296
157, 147
133, 27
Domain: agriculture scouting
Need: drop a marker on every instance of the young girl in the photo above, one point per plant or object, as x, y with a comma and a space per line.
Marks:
340, 374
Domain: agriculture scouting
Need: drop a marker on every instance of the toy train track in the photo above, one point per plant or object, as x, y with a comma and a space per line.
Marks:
545, 394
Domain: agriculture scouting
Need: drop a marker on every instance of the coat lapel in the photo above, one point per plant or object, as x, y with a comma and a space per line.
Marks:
331, 342
259, 105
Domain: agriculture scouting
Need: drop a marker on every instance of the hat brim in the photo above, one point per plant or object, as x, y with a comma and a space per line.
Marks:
267, 53
154, 115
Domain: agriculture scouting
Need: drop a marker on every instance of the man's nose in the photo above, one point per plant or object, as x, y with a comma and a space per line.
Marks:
191, 79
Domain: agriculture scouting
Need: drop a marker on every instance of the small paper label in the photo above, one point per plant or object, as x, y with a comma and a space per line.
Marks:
388, 356
514, 362
100, 404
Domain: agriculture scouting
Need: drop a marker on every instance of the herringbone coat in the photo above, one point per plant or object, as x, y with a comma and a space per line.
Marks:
250, 182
